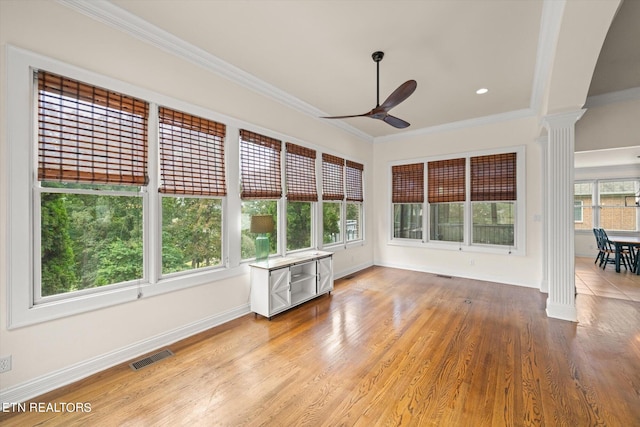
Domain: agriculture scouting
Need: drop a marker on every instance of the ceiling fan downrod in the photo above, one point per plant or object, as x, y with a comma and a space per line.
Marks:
377, 57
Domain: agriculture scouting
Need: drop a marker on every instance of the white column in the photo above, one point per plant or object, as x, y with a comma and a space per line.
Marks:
560, 251
544, 142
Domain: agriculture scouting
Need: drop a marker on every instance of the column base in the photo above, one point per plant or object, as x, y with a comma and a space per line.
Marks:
562, 311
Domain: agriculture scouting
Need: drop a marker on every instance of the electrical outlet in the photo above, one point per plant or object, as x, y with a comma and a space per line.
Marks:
5, 363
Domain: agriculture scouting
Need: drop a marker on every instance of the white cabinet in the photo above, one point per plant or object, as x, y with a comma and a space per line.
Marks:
278, 285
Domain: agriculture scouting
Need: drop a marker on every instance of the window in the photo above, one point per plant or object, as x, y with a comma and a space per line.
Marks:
332, 223
301, 192
354, 200
471, 201
407, 197
342, 195
92, 162
249, 209
332, 196
125, 198
192, 183
614, 215
332, 177
584, 206
578, 211
493, 196
608, 204
354, 222
446, 184
261, 185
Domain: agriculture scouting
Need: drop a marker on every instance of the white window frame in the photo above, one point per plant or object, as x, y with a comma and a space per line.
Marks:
360, 240
345, 243
21, 128
519, 247
597, 204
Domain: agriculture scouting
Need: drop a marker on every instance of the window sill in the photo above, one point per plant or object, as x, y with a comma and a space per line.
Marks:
458, 247
72, 305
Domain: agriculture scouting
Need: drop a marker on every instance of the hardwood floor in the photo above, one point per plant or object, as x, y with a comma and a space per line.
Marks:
388, 347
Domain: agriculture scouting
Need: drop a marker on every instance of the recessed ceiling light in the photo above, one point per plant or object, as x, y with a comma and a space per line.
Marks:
482, 91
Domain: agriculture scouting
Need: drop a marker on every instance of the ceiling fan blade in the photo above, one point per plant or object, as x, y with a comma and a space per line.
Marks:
346, 117
396, 122
400, 94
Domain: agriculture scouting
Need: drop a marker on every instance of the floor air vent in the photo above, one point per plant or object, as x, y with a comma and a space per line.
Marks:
143, 363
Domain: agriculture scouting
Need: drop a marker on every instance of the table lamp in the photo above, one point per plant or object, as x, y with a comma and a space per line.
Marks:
261, 225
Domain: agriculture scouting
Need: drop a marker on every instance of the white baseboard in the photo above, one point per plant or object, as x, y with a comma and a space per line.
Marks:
51, 381
456, 273
36, 387
351, 270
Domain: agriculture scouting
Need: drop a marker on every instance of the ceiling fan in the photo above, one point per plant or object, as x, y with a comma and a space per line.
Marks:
381, 112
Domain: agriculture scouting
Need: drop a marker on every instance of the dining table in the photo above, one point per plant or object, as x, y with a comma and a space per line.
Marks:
619, 242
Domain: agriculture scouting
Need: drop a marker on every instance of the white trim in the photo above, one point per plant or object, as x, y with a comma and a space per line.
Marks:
122, 20
112, 15
351, 270
550, 24
51, 381
607, 172
20, 239
78, 371
432, 269
467, 245
463, 124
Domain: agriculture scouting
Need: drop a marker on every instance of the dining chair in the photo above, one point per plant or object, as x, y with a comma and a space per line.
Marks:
600, 256
610, 248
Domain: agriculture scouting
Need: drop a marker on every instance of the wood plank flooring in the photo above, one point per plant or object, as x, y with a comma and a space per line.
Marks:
388, 347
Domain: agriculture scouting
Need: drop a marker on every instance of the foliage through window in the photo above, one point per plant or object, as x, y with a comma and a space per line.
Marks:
342, 191
331, 223
489, 180
192, 182
493, 196
92, 160
249, 209
114, 208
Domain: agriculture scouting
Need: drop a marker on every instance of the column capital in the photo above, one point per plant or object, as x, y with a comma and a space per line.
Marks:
564, 119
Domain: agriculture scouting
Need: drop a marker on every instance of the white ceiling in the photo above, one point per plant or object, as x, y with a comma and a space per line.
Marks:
316, 54
320, 51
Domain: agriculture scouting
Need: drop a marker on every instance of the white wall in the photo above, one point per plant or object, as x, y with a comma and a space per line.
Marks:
83, 343
525, 270
610, 125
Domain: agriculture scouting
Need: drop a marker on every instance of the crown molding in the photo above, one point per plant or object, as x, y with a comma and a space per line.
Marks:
462, 124
550, 23
613, 97
106, 12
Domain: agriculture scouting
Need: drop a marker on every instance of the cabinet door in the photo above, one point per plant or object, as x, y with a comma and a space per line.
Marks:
279, 292
325, 275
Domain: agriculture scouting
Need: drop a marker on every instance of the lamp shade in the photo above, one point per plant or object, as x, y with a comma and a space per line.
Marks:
262, 224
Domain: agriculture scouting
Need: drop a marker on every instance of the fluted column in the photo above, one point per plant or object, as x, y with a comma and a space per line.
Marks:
560, 251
